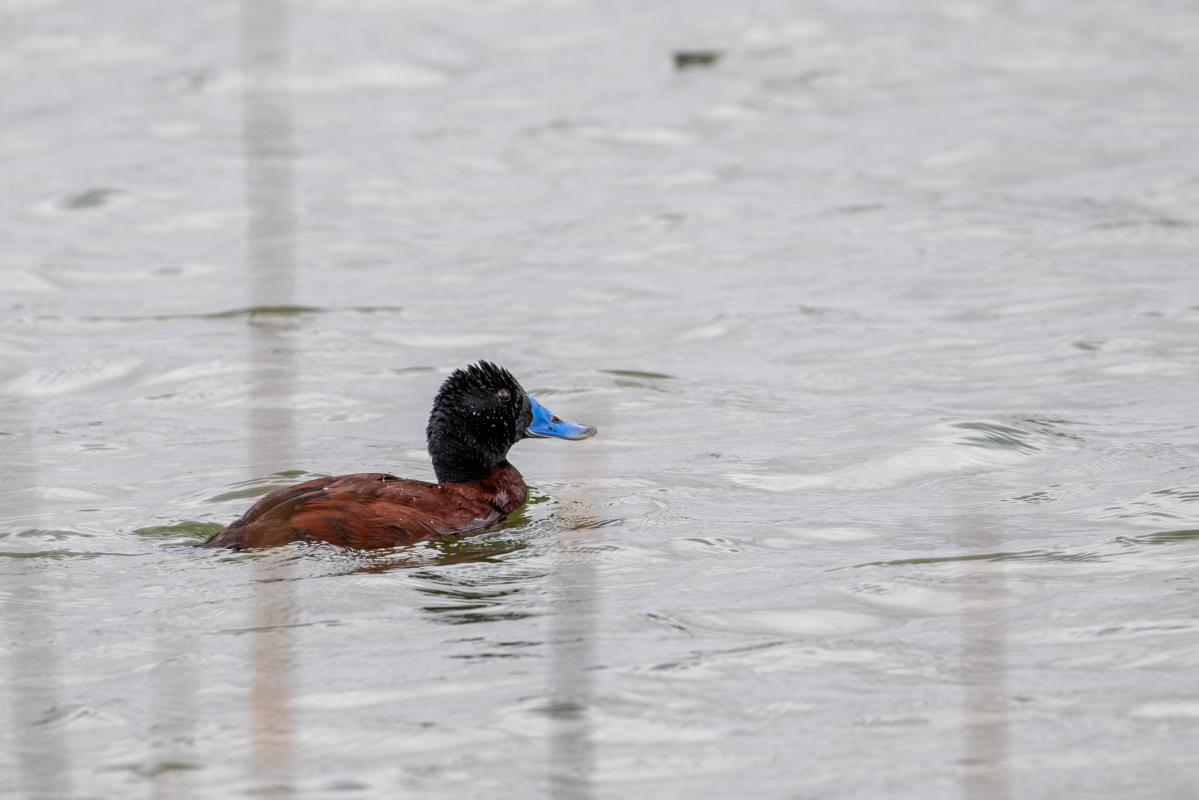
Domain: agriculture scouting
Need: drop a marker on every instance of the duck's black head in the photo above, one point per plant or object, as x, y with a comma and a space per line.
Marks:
481, 411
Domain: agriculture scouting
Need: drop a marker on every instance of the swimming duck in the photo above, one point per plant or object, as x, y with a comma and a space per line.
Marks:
479, 412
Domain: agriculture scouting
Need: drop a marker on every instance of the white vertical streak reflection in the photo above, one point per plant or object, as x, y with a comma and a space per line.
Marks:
575, 613
984, 653
270, 206
42, 753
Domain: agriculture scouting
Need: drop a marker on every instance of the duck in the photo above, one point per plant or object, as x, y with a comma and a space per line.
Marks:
479, 413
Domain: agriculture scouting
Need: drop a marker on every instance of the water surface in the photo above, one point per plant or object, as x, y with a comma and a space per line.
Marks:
888, 318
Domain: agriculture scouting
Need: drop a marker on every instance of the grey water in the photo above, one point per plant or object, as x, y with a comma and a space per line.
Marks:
888, 316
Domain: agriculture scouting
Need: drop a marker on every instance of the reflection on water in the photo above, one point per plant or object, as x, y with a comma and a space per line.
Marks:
270, 273
572, 705
984, 678
172, 758
459, 600
42, 753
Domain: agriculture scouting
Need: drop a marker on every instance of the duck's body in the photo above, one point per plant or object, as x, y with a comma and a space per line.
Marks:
369, 510
479, 413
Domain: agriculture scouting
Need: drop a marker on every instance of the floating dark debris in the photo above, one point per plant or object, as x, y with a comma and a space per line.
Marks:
92, 198
687, 59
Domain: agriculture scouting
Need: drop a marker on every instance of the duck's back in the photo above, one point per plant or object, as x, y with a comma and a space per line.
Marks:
374, 509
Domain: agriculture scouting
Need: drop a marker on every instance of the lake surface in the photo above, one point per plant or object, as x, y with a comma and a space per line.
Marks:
888, 318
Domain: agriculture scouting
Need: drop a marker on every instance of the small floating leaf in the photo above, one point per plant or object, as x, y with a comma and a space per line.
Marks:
687, 59
92, 198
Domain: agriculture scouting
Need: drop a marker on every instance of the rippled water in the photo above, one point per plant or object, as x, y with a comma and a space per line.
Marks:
889, 320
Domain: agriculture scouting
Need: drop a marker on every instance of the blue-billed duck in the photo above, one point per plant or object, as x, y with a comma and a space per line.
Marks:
479, 413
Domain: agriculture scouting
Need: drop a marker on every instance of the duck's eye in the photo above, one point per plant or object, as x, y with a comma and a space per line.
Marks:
503, 394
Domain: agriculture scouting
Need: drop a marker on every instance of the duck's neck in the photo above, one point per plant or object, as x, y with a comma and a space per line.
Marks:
466, 473
459, 457
465, 464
